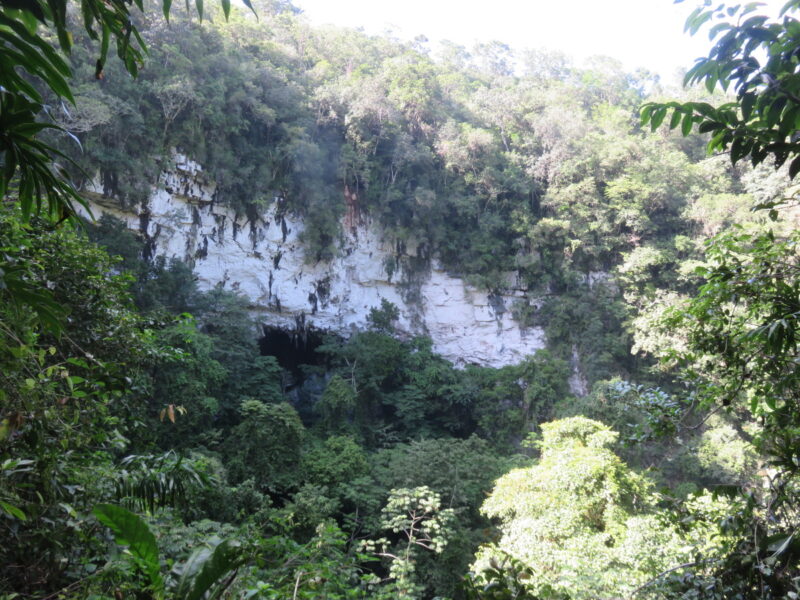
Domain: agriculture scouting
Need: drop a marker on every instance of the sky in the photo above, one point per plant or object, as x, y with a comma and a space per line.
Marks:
640, 33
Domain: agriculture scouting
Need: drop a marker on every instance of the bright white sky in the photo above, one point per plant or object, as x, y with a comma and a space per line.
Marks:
640, 33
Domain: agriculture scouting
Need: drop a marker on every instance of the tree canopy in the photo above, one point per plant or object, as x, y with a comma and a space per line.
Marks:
380, 470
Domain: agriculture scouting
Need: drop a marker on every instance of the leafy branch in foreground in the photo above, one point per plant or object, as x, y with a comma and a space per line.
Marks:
29, 169
757, 59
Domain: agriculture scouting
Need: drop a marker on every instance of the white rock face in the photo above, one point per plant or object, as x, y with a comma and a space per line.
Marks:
265, 261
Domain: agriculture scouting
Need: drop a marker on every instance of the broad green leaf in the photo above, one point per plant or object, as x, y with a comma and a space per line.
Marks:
716, 29
658, 117
129, 530
645, 112
709, 126
205, 568
699, 21
88, 19
717, 142
711, 80
691, 18
775, 109
686, 126
106, 39
748, 101
13, 511
786, 7
676, 119
739, 149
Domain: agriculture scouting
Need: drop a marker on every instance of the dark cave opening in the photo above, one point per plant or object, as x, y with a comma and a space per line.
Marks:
291, 348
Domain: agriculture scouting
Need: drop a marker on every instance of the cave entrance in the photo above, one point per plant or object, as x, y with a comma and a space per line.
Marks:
291, 348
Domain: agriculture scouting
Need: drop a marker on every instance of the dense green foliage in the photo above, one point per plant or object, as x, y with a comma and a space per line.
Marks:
580, 518
148, 448
538, 178
64, 409
540, 173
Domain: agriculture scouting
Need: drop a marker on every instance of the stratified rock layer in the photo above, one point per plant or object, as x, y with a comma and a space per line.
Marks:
263, 259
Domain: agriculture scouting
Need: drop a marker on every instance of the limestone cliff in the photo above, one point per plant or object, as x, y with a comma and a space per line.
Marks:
263, 259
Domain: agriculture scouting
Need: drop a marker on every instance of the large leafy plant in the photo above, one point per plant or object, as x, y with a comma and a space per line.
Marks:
30, 171
29, 168
207, 573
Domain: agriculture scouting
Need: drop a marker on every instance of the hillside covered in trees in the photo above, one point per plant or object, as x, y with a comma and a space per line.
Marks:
152, 445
